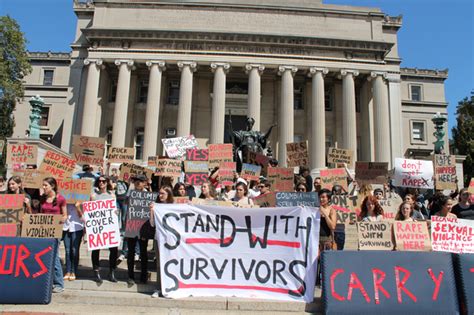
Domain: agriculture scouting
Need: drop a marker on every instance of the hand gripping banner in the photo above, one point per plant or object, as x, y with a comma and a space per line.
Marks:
269, 253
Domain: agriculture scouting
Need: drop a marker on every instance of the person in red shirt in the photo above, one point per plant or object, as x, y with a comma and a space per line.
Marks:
53, 203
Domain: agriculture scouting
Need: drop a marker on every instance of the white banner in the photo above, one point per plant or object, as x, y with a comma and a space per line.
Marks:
102, 224
269, 253
413, 173
452, 235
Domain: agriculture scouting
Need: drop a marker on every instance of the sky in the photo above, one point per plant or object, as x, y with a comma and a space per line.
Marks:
436, 34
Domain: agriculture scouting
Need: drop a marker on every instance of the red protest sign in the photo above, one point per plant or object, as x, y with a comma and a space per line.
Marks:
226, 173
281, 178
197, 154
22, 153
9, 230
332, 177
57, 165
220, 153
371, 172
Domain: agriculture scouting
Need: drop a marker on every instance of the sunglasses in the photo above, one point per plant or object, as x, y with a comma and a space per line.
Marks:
301, 189
102, 181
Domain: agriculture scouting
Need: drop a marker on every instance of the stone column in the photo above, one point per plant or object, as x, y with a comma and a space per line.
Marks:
286, 116
121, 103
254, 92
349, 130
152, 108
395, 105
381, 118
91, 98
317, 145
218, 102
185, 97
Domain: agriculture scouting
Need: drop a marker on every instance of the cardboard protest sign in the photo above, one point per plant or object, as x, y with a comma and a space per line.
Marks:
333, 176
288, 242
281, 178
152, 161
9, 229
340, 156
181, 200
412, 236
371, 172
57, 165
88, 150
375, 235
413, 173
176, 147
445, 171
250, 171
121, 155
11, 208
75, 190
127, 171
138, 211
471, 186
347, 207
197, 172
102, 224
266, 201
21, 152
258, 159
197, 154
226, 173
168, 168
30, 178
297, 154
220, 153
390, 205
295, 199
42, 226
452, 235
351, 241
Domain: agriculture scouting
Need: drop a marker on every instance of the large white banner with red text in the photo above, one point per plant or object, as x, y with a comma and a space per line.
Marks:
452, 235
222, 251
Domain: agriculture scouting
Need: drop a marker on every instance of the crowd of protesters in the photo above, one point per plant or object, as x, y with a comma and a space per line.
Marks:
416, 206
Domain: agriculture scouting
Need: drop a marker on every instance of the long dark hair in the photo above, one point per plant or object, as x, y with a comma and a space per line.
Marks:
169, 191
176, 188
16, 179
54, 184
107, 182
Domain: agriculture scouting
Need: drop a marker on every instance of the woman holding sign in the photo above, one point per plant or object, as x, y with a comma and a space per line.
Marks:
165, 196
208, 192
328, 220
14, 186
241, 192
446, 204
371, 210
405, 212
103, 190
53, 203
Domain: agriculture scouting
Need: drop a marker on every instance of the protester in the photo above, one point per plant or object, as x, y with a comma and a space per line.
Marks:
87, 172
14, 186
446, 204
417, 214
103, 190
2, 184
73, 231
264, 187
371, 210
317, 184
405, 212
378, 193
328, 220
208, 192
53, 203
464, 209
301, 187
139, 183
306, 175
241, 192
121, 192
165, 196
340, 230
253, 189
179, 190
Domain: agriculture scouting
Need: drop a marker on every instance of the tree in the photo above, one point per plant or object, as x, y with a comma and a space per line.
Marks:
14, 66
463, 135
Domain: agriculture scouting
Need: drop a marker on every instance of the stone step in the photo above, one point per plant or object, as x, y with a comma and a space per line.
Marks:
107, 286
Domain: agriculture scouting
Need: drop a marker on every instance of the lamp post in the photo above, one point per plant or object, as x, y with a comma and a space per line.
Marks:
36, 103
439, 133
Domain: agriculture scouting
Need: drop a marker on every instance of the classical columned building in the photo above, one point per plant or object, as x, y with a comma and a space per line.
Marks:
329, 74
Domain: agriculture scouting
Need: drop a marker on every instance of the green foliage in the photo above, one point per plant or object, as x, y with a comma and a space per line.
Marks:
14, 66
463, 135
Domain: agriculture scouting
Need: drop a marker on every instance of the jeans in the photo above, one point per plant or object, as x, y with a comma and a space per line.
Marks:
122, 207
72, 244
340, 236
132, 243
113, 254
58, 280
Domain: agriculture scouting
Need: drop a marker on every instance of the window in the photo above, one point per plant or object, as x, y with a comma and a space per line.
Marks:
418, 131
328, 98
44, 116
297, 138
47, 138
143, 92
173, 93
113, 91
415, 92
298, 97
139, 135
48, 77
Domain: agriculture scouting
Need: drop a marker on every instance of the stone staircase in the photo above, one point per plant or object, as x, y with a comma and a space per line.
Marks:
83, 296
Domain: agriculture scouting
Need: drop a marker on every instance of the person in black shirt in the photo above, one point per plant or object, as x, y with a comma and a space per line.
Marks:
464, 209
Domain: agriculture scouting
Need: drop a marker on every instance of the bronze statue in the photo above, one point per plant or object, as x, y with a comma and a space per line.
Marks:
248, 140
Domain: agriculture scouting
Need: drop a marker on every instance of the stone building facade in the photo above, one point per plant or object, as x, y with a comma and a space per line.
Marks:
143, 70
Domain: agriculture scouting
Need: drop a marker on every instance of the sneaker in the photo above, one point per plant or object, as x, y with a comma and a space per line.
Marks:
156, 294
58, 289
121, 257
137, 258
130, 282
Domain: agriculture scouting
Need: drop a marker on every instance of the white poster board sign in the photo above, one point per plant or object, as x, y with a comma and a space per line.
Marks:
176, 147
102, 224
413, 173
